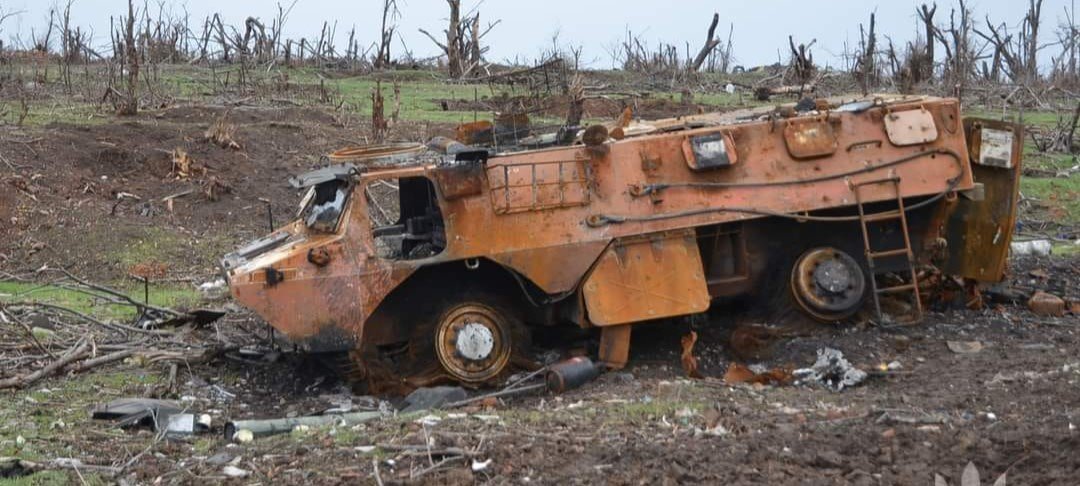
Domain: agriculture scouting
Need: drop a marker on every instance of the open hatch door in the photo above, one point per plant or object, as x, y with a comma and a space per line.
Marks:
981, 223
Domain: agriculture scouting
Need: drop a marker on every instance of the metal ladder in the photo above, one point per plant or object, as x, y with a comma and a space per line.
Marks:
872, 255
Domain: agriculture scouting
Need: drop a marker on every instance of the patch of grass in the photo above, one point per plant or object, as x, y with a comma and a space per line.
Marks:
1065, 250
1048, 161
50, 478
162, 296
1045, 119
51, 412
1061, 196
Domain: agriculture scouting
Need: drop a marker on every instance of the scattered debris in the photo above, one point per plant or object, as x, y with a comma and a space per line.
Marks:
260, 428
689, 362
964, 347
184, 166
1032, 247
221, 133
738, 373
1045, 304
147, 412
235, 472
435, 397
832, 371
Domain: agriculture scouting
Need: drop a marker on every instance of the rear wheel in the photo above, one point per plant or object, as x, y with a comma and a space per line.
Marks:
827, 284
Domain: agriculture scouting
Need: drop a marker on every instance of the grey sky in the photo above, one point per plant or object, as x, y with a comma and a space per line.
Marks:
761, 27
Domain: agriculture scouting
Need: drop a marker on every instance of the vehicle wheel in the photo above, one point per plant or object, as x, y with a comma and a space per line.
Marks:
473, 340
827, 284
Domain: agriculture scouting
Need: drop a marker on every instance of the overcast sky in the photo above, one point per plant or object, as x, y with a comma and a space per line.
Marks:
527, 26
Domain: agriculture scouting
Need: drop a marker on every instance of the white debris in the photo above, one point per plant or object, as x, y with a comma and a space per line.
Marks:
364, 449
832, 371
1033, 247
243, 436
478, 466
213, 289
429, 420
235, 472
894, 366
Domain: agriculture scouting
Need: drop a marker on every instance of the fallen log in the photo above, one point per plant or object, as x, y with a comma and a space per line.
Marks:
15, 467
77, 352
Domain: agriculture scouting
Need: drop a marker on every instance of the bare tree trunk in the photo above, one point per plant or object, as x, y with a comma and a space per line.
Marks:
453, 39
389, 14
1032, 20
710, 43
926, 14
130, 104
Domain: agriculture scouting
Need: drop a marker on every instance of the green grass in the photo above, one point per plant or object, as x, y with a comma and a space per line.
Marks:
1044, 119
36, 415
1061, 195
162, 296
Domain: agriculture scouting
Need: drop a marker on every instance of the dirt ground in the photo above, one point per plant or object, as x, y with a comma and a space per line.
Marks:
91, 198
1008, 408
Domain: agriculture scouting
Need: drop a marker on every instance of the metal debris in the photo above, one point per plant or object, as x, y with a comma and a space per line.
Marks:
129, 412
1045, 304
832, 371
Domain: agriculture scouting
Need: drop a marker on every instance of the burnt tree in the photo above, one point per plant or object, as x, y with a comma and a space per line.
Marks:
710, 44
462, 48
801, 67
390, 14
926, 15
866, 64
126, 46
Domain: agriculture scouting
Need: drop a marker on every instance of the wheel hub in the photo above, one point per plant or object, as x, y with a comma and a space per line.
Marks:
828, 284
473, 343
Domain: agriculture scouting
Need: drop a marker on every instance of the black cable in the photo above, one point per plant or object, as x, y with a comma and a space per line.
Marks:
650, 188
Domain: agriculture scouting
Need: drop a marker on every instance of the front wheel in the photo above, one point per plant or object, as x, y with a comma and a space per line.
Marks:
473, 339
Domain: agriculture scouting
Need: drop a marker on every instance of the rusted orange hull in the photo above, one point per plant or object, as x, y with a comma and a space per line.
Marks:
565, 220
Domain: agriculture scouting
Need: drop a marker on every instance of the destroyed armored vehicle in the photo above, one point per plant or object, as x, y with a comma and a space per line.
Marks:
438, 260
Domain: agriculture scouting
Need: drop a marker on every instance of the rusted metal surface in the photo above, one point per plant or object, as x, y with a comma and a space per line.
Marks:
615, 346
809, 139
980, 228
475, 133
570, 374
643, 278
609, 233
911, 127
473, 343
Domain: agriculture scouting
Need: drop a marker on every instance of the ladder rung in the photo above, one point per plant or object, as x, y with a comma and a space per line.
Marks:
899, 288
890, 253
